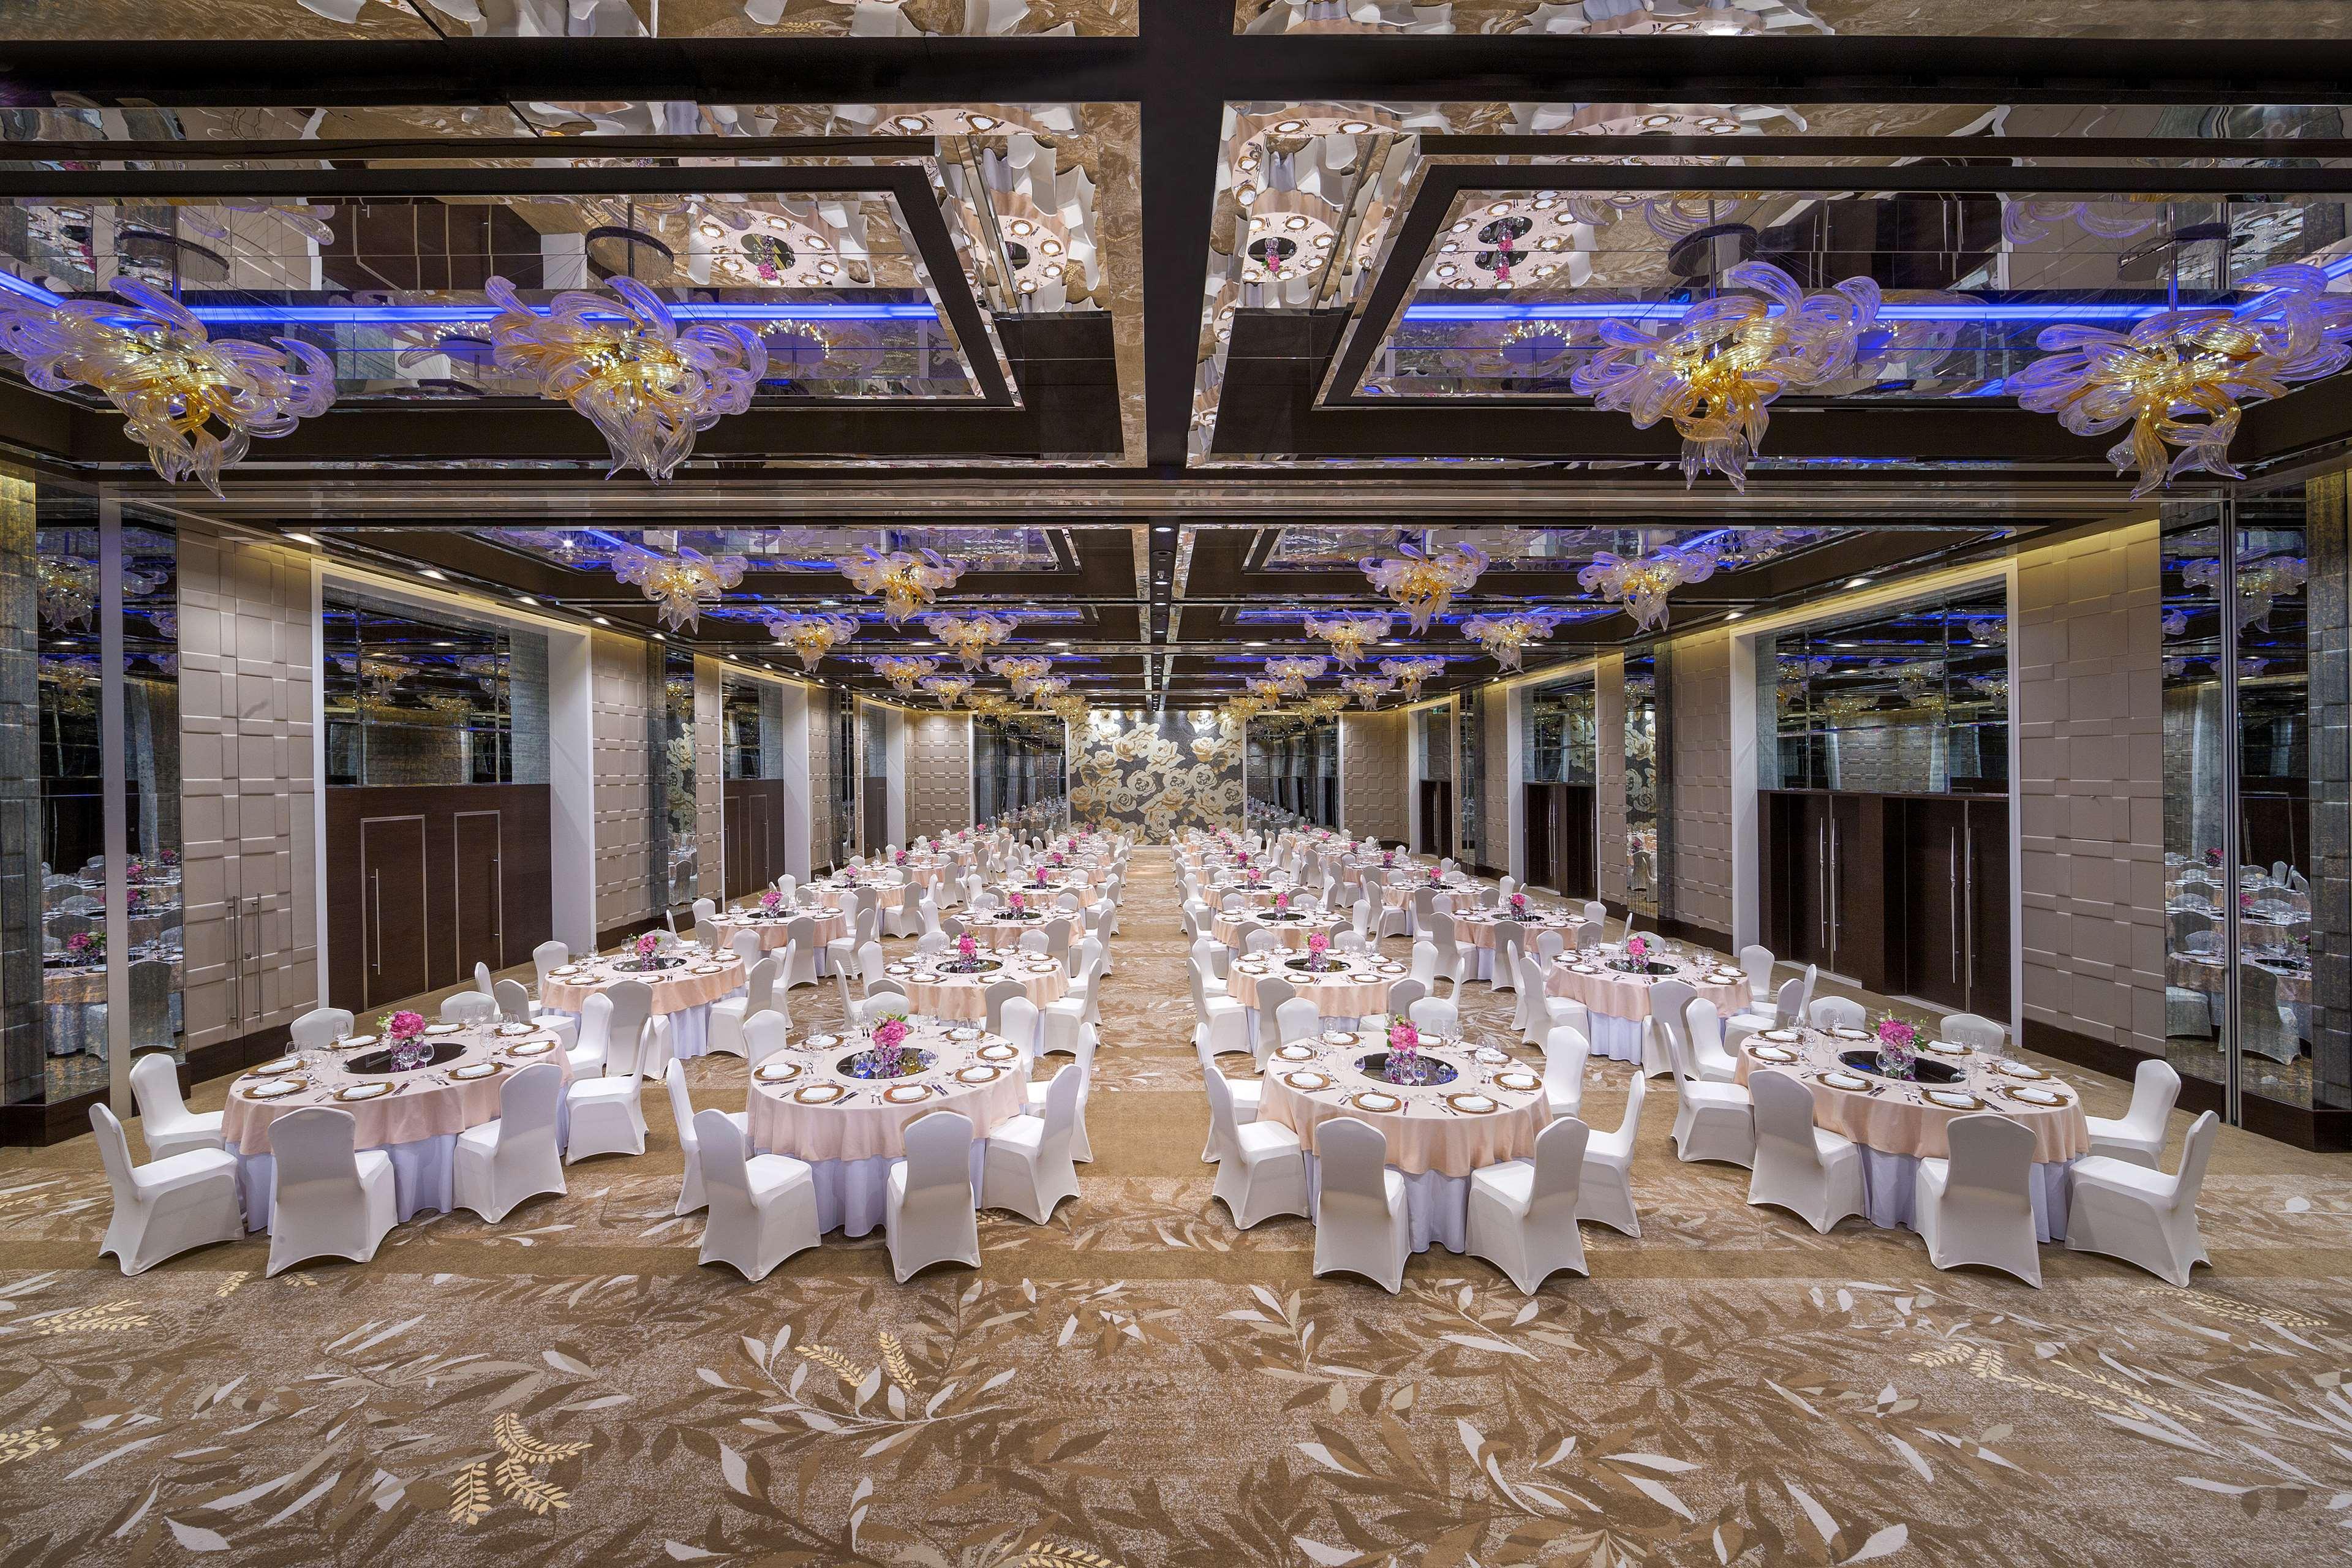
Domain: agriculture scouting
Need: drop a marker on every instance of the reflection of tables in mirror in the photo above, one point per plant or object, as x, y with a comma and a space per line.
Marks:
73, 997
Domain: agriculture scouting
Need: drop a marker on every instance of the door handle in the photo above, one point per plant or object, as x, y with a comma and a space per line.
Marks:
1969, 906
375, 918
1954, 842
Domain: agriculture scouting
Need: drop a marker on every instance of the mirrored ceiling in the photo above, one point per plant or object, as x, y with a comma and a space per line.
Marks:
304, 20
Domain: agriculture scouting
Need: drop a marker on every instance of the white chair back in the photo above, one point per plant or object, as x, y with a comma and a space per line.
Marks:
469, 1007
1353, 1154
764, 1034
633, 1005
1296, 1019
1784, 1119
1560, 1172
1990, 1163
1565, 1052
546, 955
1436, 1015
513, 1001
155, 1087
1835, 1013
316, 1157
320, 1027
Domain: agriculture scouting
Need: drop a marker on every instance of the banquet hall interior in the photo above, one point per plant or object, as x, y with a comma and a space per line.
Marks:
1075, 783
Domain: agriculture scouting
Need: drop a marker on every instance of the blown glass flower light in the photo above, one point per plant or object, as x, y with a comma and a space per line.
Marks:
1292, 672
1425, 584
1268, 691
625, 366
65, 590
969, 638
904, 581
1067, 706
1045, 691
903, 670
2260, 583
949, 690
1505, 637
1411, 671
1348, 636
1324, 705
813, 637
2179, 366
195, 404
1023, 670
994, 705
679, 585
1641, 582
1368, 690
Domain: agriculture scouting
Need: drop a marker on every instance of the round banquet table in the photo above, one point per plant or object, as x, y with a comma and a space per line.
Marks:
1260, 896
1435, 1141
806, 1103
1897, 1126
831, 925
934, 990
1619, 1003
1292, 929
888, 895
1000, 930
1479, 927
683, 995
1356, 990
1055, 884
417, 1123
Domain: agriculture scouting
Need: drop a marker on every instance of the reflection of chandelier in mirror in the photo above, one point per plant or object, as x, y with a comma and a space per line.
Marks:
2178, 366
1023, 670
902, 671
1989, 631
2260, 583
679, 585
162, 372
1425, 584
1412, 671
1846, 707
1368, 690
1268, 691
904, 581
1505, 637
1291, 673
969, 638
949, 690
1992, 688
812, 637
994, 705
1238, 711
1642, 582
1808, 668
68, 591
2176, 623
620, 361
1348, 636
76, 680
1044, 690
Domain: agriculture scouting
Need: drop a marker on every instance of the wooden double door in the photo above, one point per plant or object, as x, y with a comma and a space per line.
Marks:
1955, 923
1436, 816
753, 830
1559, 828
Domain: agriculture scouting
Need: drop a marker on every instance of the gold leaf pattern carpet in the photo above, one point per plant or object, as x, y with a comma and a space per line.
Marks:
1137, 1383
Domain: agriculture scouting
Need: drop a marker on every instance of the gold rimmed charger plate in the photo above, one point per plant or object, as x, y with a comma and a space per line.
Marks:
818, 1094
358, 1093
1517, 1082
1473, 1104
776, 1072
977, 1074
907, 1093
1378, 1101
276, 1088
2039, 1096
530, 1048
1307, 1082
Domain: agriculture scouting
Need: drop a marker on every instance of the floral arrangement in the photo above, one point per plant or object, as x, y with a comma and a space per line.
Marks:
2246, 902
899, 859
1637, 947
136, 870
1015, 902
1518, 903
1055, 859
1388, 858
2213, 859
86, 946
167, 859
770, 901
1282, 902
1436, 877
966, 948
645, 947
406, 1030
1897, 1047
1404, 1053
1319, 951
885, 1057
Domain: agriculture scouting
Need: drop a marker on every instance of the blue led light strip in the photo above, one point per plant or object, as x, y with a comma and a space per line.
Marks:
400, 315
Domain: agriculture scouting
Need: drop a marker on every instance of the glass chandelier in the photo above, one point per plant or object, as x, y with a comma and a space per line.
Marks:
1292, 673
903, 670
949, 690
1425, 584
2199, 364
195, 404
2260, 583
679, 585
1412, 671
1068, 705
1268, 691
1023, 670
969, 638
1348, 636
994, 705
1324, 705
812, 637
1045, 691
905, 582
623, 364
1505, 637
67, 591
1368, 690
1641, 582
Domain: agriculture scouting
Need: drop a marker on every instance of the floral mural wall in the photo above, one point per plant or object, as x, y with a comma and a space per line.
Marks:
1155, 778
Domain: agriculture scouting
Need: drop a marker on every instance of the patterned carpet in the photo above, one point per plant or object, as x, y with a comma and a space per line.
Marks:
1137, 1383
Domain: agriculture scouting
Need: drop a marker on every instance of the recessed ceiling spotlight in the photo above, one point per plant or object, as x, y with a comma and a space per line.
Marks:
428, 571
445, 645
525, 599
301, 539
658, 637
1733, 615
1857, 582
600, 620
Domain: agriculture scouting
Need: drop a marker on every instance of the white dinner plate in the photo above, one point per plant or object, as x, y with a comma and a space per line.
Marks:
1378, 1102
1295, 1053
475, 1071
707, 968
907, 1093
564, 969
1773, 1053
358, 1091
443, 1028
276, 1088
2018, 1069
1845, 1081
777, 1072
1474, 1104
1337, 1037
1946, 1047
818, 1094
1789, 1037
1307, 1082
283, 1063
1955, 1099
1845, 1033
979, 1073
532, 1048
998, 1052
2032, 1096
1519, 1082
1492, 1056
356, 1041
512, 1030
819, 1042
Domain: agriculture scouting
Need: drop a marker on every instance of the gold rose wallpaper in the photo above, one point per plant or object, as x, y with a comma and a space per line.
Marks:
1157, 778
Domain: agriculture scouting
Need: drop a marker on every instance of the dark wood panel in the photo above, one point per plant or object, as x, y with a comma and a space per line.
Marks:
390, 898
1934, 966
754, 833
1986, 901
507, 903
1436, 816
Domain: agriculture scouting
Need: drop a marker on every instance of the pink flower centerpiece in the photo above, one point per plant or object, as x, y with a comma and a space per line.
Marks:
1282, 902
1404, 1053
1015, 902
406, 1030
1898, 1054
86, 946
885, 1055
1388, 858
966, 948
167, 859
645, 947
2213, 857
1518, 903
770, 901
1319, 951
1637, 947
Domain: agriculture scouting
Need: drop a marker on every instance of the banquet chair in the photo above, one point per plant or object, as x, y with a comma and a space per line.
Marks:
593, 1042
2140, 1215
1605, 1195
787, 886
1550, 944
546, 956
927, 911
1425, 965
1980, 1033
854, 977
1595, 911
511, 1002
1712, 1121
500, 1163
1261, 1166
1074, 1015
1435, 1015
880, 1004
726, 1014
469, 1007
165, 1206
1402, 995
950, 927
326, 1198
691, 1194
1233, 904
766, 1034
1350, 940
1565, 1051
606, 1117
1216, 960
1836, 1013
1544, 1012
1451, 961
1035, 941
1022, 1025
1253, 937
1758, 961
164, 1119
1296, 1019
1028, 1165
994, 999
1423, 903
705, 933
633, 1010
1503, 973
2136, 1138
928, 1205
1362, 915
1798, 1014
800, 951
1505, 888
1811, 1171
704, 909
746, 945
482, 979
763, 1206
932, 943
1522, 1215
1058, 935
1977, 1206
1361, 1224
1219, 1023
320, 1027
1393, 920
1588, 938
1272, 993
1703, 1037
904, 917
1668, 1026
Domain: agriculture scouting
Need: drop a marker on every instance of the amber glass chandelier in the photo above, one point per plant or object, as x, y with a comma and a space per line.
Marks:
949, 690
1368, 690
1348, 636
1641, 582
1291, 673
903, 670
1411, 671
1423, 585
905, 580
812, 637
969, 638
679, 585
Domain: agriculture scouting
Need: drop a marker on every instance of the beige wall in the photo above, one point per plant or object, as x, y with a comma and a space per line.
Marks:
619, 705
939, 773
1700, 808
1609, 773
1372, 773
2090, 784
248, 826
